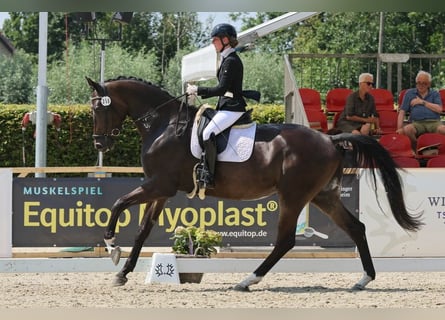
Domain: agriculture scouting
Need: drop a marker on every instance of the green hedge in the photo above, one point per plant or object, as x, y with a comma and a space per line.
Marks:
72, 145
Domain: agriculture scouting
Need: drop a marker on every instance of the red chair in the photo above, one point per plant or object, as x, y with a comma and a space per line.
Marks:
336, 99
442, 96
401, 96
407, 162
430, 141
384, 99
311, 99
398, 145
317, 120
436, 162
388, 121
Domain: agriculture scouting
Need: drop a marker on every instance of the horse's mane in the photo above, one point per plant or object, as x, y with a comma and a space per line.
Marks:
149, 83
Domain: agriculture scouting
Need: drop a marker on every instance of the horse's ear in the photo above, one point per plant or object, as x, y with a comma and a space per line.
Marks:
93, 85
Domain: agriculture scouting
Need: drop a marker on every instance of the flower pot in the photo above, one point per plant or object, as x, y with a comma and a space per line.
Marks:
190, 277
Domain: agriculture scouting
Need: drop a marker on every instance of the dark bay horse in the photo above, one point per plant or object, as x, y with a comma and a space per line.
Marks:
300, 164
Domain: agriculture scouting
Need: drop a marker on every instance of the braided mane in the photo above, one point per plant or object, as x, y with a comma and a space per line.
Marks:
139, 80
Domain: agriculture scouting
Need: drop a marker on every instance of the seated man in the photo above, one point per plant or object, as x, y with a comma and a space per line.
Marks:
424, 107
360, 115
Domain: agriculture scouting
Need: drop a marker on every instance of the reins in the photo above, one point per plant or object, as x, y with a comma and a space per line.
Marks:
152, 114
186, 121
148, 113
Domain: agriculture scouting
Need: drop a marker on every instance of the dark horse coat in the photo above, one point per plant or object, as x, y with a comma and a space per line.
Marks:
301, 165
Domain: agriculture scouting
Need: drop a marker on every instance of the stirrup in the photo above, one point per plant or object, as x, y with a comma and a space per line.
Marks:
204, 177
207, 183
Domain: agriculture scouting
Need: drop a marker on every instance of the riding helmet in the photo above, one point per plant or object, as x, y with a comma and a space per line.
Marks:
223, 29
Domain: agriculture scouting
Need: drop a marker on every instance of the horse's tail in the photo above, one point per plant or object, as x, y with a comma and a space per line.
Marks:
369, 153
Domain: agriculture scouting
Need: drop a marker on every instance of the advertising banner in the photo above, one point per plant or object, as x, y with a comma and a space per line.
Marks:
423, 195
75, 212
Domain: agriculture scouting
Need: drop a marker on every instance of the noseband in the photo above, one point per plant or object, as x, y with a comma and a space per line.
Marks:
104, 105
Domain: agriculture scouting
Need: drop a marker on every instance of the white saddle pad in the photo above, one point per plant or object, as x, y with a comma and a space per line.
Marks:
239, 148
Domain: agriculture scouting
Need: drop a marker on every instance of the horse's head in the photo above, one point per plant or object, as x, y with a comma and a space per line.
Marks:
107, 118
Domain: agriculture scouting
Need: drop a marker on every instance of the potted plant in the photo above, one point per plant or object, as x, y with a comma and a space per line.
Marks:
194, 242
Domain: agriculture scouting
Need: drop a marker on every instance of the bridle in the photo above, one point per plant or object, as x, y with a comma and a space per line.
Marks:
104, 105
146, 119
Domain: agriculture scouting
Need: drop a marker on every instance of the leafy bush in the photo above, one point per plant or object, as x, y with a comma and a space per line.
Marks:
194, 241
272, 113
72, 145
65, 147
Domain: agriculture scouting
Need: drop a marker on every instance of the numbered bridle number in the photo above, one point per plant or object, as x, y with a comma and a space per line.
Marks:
105, 101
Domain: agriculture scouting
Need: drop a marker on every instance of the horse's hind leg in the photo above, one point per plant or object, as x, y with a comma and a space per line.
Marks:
329, 202
285, 241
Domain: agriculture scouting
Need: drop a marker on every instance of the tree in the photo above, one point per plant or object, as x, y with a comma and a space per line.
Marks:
358, 32
161, 33
264, 72
66, 80
22, 28
176, 31
140, 34
172, 77
280, 41
16, 79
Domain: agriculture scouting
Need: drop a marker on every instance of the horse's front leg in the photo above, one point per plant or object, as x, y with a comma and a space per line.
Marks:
118, 207
134, 197
151, 215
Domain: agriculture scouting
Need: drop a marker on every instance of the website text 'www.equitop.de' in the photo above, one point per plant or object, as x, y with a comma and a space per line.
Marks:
243, 234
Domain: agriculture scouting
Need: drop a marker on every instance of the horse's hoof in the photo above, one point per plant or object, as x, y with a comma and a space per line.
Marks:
202, 194
362, 283
119, 281
115, 255
241, 288
357, 287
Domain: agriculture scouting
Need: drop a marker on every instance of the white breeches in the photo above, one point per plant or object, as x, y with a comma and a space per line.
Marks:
221, 121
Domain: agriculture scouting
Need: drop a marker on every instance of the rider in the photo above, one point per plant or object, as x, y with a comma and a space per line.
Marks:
231, 104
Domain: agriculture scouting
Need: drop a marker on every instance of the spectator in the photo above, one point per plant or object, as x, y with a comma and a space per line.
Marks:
360, 115
424, 107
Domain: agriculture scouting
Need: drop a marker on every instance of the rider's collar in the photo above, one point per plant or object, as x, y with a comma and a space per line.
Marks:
227, 51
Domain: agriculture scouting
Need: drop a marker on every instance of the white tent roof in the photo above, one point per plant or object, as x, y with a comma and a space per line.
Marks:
199, 65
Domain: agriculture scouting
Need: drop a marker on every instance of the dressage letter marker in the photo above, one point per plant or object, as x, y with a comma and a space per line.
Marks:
163, 269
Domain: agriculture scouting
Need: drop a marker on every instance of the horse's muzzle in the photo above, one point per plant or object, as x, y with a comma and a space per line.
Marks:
103, 143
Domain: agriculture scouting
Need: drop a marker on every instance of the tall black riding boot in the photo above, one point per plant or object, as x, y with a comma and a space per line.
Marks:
210, 156
206, 168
